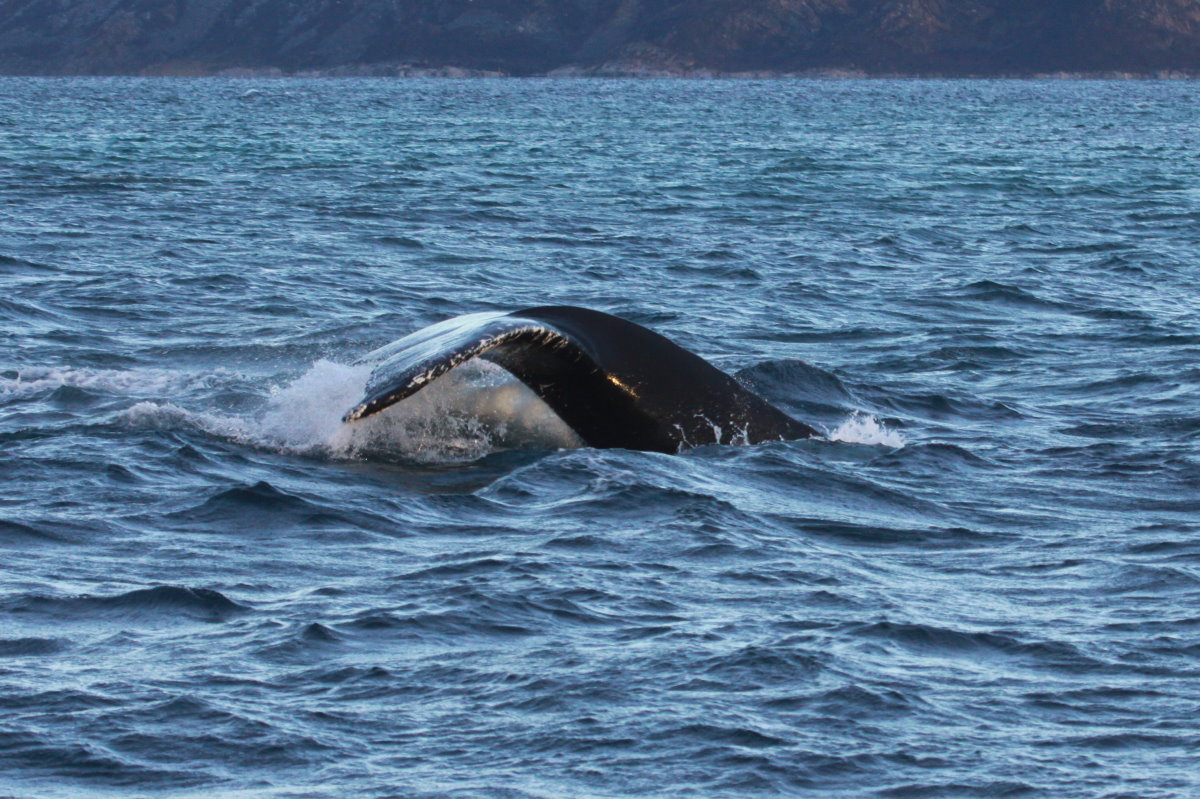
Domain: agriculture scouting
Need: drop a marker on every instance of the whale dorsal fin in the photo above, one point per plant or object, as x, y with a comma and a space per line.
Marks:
614, 382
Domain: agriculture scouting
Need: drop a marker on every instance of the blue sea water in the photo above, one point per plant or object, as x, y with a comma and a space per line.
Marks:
984, 580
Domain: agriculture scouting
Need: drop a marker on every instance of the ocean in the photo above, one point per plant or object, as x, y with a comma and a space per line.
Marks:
981, 580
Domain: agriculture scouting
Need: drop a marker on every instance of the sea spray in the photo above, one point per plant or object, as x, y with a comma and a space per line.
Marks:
866, 429
467, 413
307, 412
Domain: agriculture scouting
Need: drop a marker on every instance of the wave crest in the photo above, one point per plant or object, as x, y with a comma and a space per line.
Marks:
863, 428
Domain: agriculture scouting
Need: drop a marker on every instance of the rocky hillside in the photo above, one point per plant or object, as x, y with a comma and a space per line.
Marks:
598, 36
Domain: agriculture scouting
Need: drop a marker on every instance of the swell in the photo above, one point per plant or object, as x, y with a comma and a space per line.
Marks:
166, 602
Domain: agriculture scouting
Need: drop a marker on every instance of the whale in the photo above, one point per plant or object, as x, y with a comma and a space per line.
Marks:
615, 383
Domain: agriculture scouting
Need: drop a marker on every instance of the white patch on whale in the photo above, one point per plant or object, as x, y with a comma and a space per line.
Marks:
466, 413
470, 411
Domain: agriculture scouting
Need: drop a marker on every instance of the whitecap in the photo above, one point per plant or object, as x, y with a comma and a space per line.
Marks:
862, 428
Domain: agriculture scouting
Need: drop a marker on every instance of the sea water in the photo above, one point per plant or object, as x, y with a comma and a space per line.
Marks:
983, 579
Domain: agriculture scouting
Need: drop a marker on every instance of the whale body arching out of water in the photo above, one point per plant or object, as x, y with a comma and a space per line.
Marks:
615, 383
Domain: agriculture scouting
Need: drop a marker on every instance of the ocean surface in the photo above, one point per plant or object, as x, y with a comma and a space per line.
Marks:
982, 581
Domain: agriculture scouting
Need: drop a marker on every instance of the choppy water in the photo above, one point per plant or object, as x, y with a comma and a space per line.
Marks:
986, 582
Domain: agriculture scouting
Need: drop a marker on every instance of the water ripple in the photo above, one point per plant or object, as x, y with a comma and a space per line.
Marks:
980, 581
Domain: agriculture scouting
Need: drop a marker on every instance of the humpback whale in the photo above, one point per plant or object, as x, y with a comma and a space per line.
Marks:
615, 383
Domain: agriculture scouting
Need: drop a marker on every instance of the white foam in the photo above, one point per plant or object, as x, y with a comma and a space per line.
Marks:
307, 412
465, 414
863, 428
169, 416
134, 382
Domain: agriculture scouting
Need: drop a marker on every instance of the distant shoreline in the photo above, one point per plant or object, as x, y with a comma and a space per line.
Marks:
603, 72
680, 39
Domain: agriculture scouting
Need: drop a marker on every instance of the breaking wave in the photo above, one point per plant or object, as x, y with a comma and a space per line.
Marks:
862, 428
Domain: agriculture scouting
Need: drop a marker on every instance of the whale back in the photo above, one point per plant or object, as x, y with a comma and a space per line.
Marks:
616, 383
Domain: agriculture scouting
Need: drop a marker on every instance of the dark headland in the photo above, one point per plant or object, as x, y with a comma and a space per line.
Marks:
600, 37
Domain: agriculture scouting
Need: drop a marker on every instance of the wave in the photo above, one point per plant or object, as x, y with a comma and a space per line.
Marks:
31, 647
34, 754
250, 502
21, 534
864, 429
263, 507
23, 383
163, 601
931, 639
11, 265
796, 381
996, 293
